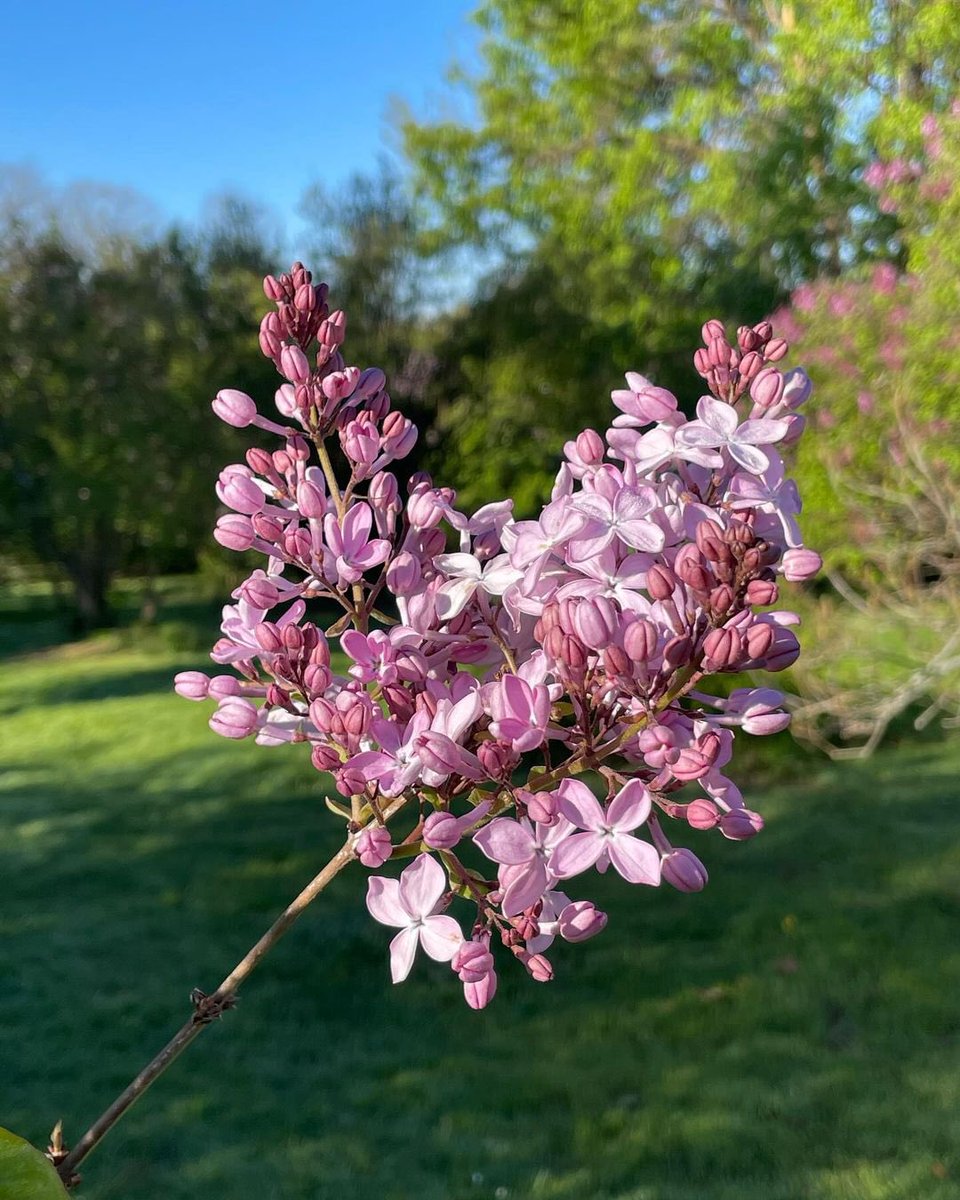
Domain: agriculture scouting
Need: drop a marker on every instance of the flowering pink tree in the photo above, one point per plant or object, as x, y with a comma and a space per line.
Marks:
494, 665
884, 473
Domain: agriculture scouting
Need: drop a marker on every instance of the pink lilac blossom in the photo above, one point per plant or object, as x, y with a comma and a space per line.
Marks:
529, 694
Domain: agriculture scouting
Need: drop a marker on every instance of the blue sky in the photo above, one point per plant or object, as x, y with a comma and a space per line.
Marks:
180, 99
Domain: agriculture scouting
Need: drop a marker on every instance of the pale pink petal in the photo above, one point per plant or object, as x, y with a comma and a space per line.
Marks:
580, 805
372, 554
762, 432
697, 434
642, 535
637, 861
441, 938
454, 596
629, 808
522, 886
403, 948
506, 842
356, 526
578, 853
421, 886
464, 566
383, 901
749, 457
717, 415
355, 644
597, 507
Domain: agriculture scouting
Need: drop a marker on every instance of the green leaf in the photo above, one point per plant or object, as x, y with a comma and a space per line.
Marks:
25, 1173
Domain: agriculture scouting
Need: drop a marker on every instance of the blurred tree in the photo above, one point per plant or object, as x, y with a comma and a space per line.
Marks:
883, 485
658, 163
107, 363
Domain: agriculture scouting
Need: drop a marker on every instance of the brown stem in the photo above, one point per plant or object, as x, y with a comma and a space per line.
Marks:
208, 1008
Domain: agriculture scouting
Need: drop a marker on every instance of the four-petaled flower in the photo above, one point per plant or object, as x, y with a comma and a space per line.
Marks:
525, 852
349, 542
717, 427
411, 904
608, 836
622, 517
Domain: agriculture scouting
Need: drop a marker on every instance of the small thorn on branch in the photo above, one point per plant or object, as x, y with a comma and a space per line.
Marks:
210, 1008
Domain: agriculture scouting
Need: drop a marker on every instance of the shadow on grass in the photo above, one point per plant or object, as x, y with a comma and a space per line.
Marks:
790, 1033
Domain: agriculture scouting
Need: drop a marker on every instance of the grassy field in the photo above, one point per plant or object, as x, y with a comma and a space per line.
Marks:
791, 1034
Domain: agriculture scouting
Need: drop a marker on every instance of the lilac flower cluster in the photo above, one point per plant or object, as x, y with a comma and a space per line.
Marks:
484, 681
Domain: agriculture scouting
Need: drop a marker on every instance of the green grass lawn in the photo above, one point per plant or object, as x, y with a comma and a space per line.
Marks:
792, 1033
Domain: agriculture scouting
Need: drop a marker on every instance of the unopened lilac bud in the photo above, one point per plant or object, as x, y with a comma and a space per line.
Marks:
740, 825
721, 599
767, 389
222, 686
297, 544
761, 592
310, 500
403, 574
497, 758
305, 298
260, 591
748, 339
333, 330
316, 678
640, 640
191, 685
325, 758
712, 329
542, 807
234, 531
660, 582
701, 361
718, 351
272, 288
472, 962
590, 447
759, 639
615, 661
350, 781
573, 655
441, 831
539, 967
763, 330
676, 653
581, 920
234, 718
775, 350
750, 366
764, 724
722, 649
234, 408
294, 365
693, 573
424, 509
292, 637
784, 652
684, 871
373, 846
595, 622
527, 926
269, 637
801, 564
796, 387
702, 814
